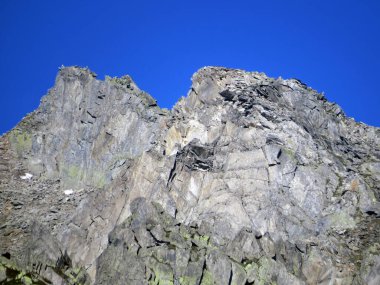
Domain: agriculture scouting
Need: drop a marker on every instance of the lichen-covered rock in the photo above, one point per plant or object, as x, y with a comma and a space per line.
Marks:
247, 180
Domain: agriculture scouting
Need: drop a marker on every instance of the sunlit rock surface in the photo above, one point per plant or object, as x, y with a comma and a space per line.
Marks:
247, 180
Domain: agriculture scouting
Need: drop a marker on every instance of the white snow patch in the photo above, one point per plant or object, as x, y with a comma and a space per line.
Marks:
68, 191
27, 176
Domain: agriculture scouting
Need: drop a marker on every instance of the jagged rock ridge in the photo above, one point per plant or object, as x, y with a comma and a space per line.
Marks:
247, 180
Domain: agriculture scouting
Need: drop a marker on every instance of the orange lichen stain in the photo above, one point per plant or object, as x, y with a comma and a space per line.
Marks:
354, 185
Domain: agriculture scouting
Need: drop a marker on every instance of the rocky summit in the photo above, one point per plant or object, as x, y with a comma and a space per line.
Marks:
247, 180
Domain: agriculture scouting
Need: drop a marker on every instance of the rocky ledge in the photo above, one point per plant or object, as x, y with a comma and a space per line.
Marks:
247, 180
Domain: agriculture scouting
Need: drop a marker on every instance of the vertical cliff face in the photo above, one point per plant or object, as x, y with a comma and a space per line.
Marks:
83, 124
247, 180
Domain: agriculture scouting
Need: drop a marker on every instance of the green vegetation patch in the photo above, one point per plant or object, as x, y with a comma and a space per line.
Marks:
342, 220
207, 278
163, 275
21, 141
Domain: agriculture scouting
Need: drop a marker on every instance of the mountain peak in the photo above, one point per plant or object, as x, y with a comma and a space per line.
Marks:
248, 179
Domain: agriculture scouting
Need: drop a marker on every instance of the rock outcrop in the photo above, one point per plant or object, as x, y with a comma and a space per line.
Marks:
247, 180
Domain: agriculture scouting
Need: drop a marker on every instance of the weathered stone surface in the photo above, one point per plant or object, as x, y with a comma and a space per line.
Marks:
247, 180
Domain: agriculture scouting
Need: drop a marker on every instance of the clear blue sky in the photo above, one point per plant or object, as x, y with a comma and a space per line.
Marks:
333, 46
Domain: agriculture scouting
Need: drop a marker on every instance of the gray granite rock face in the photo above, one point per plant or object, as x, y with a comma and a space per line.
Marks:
247, 180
